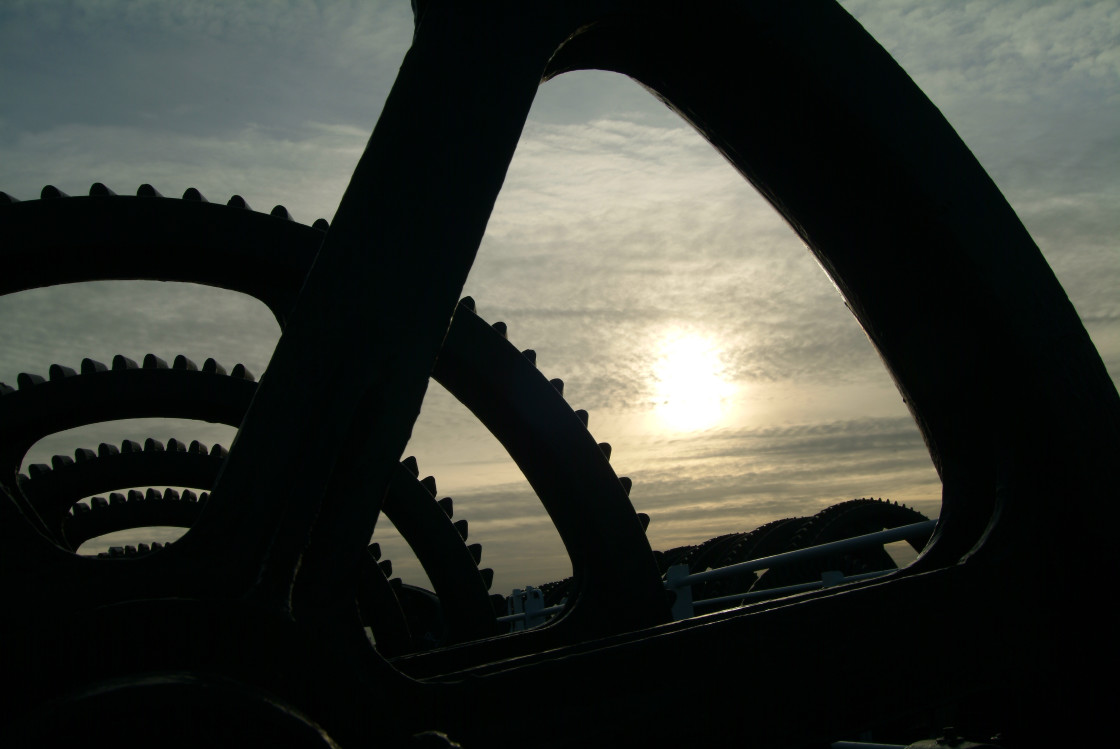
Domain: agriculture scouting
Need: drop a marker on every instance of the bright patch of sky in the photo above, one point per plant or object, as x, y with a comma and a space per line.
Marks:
617, 223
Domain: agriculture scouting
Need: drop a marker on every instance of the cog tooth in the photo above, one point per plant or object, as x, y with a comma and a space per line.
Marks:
61, 461
128, 446
429, 483
211, 366
190, 497
123, 362
582, 416
6, 199
467, 302
151, 495
115, 551
237, 201
147, 191
558, 384
397, 583
447, 506
502, 329
531, 355
50, 191
59, 372
116, 498
280, 212
35, 470
240, 372
129, 550
182, 362
386, 567
197, 448
374, 550
192, 193
321, 224
219, 451
143, 548
80, 508
605, 447
89, 366
202, 498
25, 380
83, 454
156, 546
410, 465
5, 388
487, 577
461, 527
175, 446
98, 503
134, 495
170, 494
643, 519
151, 361
99, 190
152, 445
476, 552
627, 484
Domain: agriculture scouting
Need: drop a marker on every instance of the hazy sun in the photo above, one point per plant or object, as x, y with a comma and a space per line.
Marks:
690, 390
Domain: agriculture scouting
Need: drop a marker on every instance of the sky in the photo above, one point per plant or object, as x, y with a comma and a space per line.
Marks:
680, 310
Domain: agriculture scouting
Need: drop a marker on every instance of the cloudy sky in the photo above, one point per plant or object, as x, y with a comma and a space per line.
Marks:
641, 268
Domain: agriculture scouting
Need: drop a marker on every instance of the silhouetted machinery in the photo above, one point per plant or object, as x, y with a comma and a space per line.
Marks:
249, 630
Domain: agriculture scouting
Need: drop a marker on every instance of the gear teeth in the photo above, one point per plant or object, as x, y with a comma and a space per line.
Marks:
582, 416
152, 445
147, 191
98, 503
143, 548
605, 447
183, 363
627, 484
558, 384
374, 550
203, 498
386, 567
531, 355
84, 454
59, 372
6, 199
5, 389
80, 508
280, 212
35, 470
219, 451
192, 193
100, 190
241, 373
487, 577
321, 224
468, 303
190, 497
128, 446
129, 550
410, 465
151, 361
151, 495
134, 495
175, 446
157, 546
50, 191
429, 483
502, 329
476, 552
643, 519
447, 506
25, 380
61, 461
461, 527
116, 498
123, 362
211, 366
89, 366
171, 495
236, 201
197, 448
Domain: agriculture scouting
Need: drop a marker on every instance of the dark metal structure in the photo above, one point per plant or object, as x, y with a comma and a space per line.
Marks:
247, 631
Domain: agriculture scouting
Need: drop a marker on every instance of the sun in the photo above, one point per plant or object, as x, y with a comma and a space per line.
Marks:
690, 391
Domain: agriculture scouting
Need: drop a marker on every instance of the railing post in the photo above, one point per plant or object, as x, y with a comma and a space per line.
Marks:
534, 604
515, 604
676, 580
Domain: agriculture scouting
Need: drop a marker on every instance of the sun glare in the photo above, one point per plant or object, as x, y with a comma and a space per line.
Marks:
690, 390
